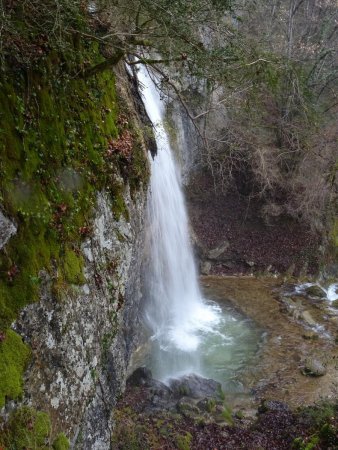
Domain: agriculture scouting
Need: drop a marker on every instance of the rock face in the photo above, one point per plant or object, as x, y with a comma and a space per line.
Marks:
82, 339
7, 229
82, 335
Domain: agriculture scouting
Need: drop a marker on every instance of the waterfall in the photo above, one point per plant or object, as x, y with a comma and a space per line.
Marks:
176, 312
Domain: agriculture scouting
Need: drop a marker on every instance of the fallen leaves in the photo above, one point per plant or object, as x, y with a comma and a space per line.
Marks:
122, 146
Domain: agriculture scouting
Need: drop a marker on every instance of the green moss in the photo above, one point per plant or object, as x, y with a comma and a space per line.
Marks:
300, 444
118, 204
55, 130
27, 428
183, 442
61, 442
52, 162
14, 355
73, 267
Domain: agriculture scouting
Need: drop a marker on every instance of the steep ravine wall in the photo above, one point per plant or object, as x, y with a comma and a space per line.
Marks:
230, 232
74, 174
81, 342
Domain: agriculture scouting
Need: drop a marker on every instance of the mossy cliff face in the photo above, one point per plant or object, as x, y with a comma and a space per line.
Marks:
73, 178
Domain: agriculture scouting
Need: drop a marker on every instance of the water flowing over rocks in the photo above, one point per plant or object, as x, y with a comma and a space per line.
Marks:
190, 393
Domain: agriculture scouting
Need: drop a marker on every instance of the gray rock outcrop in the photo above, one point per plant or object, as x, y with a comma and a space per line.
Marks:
7, 229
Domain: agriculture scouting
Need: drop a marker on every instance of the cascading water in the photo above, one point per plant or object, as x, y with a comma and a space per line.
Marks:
185, 328
175, 308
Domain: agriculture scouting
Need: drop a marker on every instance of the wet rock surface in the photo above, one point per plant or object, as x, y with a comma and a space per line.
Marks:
196, 387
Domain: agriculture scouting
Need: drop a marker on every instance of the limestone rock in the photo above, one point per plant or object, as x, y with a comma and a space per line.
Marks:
82, 338
217, 251
313, 367
7, 229
205, 267
306, 316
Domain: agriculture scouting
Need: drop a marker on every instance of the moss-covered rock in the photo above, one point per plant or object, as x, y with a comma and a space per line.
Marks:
27, 428
55, 154
14, 355
61, 442
56, 134
73, 267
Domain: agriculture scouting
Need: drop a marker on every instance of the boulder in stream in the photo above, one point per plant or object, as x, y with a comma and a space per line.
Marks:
313, 367
315, 291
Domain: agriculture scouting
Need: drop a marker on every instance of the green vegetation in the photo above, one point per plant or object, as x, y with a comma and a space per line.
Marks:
299, 444
61, 442
73, 267
183, 442
59, 145
14, 355
27, 428
31, 429
322, 420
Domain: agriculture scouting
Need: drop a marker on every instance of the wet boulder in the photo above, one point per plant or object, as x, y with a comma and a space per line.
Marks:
196, 387
140, 377
315, 291
187, 407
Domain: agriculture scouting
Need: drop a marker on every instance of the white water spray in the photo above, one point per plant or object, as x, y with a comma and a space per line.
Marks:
176, 312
